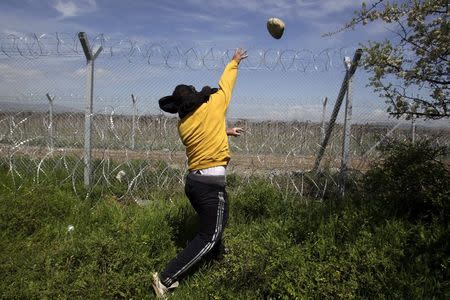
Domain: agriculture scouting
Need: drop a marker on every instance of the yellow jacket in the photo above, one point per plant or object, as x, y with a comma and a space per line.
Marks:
203, 130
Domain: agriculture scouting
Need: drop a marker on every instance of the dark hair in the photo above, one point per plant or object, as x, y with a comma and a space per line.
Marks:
185, 99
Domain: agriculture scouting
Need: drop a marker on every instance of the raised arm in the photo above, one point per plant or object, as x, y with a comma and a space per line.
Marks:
229, 75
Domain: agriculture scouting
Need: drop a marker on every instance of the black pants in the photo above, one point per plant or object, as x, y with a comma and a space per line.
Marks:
209, 199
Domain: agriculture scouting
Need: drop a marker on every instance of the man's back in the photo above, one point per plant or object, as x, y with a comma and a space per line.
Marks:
203, 131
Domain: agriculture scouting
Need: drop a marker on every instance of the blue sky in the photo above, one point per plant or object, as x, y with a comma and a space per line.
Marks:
223, 24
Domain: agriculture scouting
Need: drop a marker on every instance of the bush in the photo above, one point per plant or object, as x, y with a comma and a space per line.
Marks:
410, 181
256, 200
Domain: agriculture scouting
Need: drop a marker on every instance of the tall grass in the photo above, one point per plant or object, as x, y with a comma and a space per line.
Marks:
282, 245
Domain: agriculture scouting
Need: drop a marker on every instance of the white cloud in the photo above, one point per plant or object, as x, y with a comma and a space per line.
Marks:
70, 8
306, 112
13, 74
67, 9
15, 24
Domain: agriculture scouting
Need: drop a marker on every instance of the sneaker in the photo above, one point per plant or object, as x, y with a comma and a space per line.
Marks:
160, 289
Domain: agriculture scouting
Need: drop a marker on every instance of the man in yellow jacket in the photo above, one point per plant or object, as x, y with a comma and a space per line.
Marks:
202, 129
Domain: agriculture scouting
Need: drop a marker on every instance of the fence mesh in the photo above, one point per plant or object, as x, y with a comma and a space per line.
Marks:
279, 100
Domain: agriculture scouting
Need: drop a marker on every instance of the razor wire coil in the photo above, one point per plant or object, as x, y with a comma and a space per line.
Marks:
172, 56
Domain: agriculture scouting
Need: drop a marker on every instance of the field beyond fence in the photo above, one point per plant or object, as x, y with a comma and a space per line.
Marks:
267, 148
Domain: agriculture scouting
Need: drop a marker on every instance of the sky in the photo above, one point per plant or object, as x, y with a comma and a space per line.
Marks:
219, 24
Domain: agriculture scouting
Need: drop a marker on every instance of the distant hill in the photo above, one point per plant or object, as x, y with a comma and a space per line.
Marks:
42, 107
9, 106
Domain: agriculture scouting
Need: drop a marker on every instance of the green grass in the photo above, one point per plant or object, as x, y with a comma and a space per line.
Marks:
282, 246
107, 255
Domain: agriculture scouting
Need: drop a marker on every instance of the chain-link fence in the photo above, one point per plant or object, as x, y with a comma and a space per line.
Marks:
283, 99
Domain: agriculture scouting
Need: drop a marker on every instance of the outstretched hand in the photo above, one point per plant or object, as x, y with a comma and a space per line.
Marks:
235, 131
239, 55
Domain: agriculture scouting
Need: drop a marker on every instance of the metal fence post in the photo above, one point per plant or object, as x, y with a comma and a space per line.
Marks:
347, 129
337, 106
90, 58
324, 110
50, 117
133, 126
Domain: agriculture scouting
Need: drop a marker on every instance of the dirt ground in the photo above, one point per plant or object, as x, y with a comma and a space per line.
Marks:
240, 163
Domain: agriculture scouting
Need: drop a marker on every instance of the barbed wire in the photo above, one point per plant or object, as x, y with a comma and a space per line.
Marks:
129, 152
33, 46
49, 136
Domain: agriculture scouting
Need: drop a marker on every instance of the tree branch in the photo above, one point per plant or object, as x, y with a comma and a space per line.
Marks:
391, 93
355, 21
417, 76
404, 38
